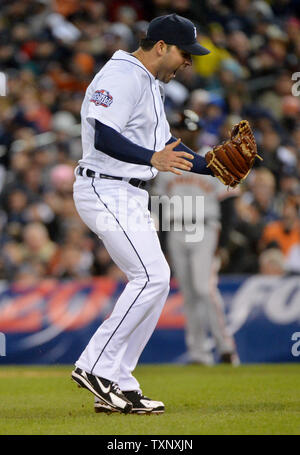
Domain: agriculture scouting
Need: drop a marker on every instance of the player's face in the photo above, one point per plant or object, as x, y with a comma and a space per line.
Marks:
173, 59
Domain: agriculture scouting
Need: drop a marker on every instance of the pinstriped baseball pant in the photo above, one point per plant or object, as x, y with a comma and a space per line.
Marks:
118, 213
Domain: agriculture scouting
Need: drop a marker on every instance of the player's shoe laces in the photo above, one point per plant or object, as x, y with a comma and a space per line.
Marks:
140, 404
106, 391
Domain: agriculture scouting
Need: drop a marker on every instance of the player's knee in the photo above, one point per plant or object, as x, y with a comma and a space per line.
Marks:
160, 277
165, 276
203, 293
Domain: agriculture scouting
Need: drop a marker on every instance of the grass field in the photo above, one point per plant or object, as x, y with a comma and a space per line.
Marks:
256, 399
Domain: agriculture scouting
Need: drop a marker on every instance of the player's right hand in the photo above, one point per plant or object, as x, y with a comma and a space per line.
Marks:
168, 160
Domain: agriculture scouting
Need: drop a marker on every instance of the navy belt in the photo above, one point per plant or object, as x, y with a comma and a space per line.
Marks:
89, 173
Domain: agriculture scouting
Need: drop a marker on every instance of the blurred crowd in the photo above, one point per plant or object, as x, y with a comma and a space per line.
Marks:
50, 51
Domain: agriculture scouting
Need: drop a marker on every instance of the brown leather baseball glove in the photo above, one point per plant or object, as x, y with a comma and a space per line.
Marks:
232, 161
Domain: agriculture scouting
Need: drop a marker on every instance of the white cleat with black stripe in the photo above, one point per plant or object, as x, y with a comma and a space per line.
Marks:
106, 391
140, 404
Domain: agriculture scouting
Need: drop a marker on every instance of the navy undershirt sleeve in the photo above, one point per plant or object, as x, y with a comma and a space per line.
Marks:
199, 162
114, 144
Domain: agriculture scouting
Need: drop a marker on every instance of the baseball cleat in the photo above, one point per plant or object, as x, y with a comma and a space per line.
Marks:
106, 391
231, 358
100, 406
140, 404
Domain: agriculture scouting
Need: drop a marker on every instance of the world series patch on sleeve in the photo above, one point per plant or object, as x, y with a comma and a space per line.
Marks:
232, 161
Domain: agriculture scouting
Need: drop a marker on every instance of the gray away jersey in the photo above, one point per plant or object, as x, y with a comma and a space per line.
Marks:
189, 186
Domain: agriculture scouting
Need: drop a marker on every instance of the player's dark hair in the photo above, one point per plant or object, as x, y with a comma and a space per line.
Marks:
147, 44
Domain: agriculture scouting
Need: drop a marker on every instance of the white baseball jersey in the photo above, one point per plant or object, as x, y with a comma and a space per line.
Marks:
125, 96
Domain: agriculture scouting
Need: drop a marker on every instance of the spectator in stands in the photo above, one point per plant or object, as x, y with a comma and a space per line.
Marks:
244, 238
262, 187
286, 231
271, 262
30, 273
292, 263
16, 210
268, 148
72, 262
37, 244
49, 51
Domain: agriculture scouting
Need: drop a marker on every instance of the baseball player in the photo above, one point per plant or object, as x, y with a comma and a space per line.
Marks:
126, 140
193, 257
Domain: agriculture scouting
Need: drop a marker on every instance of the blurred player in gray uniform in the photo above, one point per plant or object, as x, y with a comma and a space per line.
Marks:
192, 257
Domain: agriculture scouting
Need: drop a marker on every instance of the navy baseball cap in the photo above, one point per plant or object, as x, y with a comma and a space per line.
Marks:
177, 30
